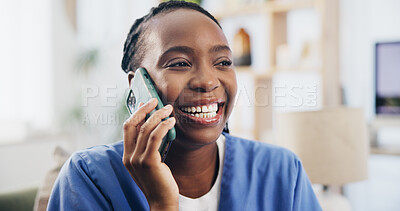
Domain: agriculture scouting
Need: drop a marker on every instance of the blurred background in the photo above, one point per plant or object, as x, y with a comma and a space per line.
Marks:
62, 88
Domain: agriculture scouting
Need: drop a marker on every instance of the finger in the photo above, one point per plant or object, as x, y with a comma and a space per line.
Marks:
155, 138
149, 126
144, 109
140, 124
133, 122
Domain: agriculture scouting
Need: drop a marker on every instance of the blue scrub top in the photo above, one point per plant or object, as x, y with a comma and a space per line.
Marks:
255, 176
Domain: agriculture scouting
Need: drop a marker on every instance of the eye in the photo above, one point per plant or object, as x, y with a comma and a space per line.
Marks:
225, 63
179, 64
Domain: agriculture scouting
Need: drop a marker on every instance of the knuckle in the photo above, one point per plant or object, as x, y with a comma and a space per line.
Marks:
165, 123
159, 114
146, 163
143, 129
153, 118
135, 163
126, 125
164, 113
127, 163
154, 137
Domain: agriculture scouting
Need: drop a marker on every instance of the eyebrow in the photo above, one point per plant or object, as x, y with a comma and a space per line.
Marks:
219, 48
183, 49
189, 50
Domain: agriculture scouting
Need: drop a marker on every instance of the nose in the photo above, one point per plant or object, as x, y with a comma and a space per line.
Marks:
204, 80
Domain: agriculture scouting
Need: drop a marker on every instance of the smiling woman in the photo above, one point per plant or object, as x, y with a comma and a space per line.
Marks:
200, 60
187, 55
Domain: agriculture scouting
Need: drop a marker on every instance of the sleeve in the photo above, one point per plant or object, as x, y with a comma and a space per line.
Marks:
74, 188
304, 196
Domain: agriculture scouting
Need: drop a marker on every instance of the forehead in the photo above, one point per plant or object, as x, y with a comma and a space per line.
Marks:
184, 27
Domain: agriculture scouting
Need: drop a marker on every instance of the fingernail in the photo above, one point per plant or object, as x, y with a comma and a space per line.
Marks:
152, 100
168, 107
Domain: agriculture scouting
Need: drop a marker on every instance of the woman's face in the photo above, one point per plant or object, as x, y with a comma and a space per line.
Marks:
188, 58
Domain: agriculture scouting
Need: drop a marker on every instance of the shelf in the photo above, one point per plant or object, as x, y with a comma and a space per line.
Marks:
289, 5
273, 70
296, 69
270, 6
250, 9
248, 69
243, 68
261, 76
385, 151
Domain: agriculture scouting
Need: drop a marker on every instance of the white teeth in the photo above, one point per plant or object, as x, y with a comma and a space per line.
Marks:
204, 115
204, 111
211, 108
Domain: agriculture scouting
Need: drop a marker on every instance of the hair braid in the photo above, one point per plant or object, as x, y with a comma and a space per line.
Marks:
134, 44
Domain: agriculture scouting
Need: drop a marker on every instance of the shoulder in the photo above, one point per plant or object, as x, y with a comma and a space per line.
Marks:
96, 179
95, 162
259, 151
267, 175
265, 159
96, 169
101, 153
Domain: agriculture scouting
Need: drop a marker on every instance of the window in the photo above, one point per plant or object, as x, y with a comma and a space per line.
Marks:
25, 67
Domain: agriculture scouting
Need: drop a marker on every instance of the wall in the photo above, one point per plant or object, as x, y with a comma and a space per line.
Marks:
362, 23
25, 163
25, 65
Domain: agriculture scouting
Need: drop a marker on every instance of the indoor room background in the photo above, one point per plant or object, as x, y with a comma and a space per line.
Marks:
61, 84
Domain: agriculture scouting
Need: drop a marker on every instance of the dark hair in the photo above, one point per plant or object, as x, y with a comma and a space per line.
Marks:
134, 44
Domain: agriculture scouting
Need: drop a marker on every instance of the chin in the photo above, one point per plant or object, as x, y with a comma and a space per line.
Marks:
194, 137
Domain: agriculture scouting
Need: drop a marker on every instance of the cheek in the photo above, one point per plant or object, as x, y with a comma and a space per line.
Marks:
230, 85
229, 81
169, 87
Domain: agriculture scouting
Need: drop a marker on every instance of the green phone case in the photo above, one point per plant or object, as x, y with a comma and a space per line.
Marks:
143, 89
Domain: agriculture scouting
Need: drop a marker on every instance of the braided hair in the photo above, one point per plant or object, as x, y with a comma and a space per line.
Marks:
134, 45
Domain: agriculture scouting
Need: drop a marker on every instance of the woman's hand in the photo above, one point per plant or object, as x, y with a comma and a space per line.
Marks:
142, 138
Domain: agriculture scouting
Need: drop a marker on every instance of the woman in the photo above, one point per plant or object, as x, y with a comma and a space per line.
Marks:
187, 55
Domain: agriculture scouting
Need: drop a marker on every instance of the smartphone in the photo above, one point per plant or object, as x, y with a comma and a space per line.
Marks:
142, 90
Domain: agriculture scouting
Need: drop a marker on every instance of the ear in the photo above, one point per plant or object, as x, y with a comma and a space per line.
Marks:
131, 74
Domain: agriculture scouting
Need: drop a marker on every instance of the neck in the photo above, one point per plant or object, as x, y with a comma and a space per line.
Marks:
194, 170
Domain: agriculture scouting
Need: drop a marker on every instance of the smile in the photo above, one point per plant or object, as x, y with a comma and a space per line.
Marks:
207, 114
203, 111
